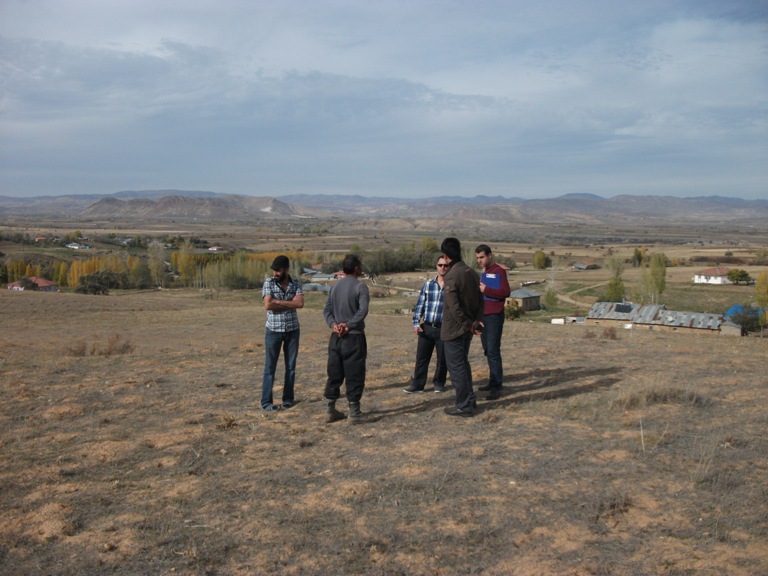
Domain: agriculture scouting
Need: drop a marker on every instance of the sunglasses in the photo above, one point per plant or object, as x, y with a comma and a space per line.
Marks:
442, 265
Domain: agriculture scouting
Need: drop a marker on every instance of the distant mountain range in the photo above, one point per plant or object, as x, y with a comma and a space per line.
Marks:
185, 205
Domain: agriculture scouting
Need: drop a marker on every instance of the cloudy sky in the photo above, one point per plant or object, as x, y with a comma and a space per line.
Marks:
403, 98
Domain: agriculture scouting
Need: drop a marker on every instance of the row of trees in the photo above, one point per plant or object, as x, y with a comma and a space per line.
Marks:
66, 273
187, 266
121, 270
642, 257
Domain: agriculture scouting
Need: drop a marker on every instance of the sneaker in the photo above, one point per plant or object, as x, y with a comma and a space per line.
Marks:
493, 395
484, 387
439, 388
413, 390
453, 411
286, 405
271, 408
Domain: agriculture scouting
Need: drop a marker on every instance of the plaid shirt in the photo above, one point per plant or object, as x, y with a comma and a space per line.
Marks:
282, 320
429, 307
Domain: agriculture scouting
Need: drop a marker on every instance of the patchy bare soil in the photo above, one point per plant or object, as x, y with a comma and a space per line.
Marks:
132, 443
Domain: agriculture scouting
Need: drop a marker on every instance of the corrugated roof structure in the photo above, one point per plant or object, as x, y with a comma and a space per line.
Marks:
698, 320
653, 314
622, 311
524, 293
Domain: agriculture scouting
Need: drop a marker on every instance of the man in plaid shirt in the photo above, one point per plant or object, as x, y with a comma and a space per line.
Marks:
282, 296
427, 320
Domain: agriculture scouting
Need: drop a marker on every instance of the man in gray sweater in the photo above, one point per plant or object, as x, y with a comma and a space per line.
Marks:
345, 312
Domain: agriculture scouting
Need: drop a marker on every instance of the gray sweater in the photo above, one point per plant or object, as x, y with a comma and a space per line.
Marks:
347, 302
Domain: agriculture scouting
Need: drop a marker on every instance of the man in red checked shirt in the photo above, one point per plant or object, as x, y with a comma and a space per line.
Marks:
495, 288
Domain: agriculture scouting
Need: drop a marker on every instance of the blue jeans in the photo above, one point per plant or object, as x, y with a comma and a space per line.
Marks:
273, 343
491, 340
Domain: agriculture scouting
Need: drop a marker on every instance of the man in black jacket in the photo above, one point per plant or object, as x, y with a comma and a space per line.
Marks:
462, 317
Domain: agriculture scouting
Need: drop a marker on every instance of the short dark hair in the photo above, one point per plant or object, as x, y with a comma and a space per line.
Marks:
451, 247
484, 248
281, 263
351, 261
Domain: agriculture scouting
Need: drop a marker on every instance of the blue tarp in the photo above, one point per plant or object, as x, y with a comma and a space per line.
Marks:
737, 310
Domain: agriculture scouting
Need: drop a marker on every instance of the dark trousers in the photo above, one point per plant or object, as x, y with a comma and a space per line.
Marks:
457, 358
429, 341
491, 340
346, 362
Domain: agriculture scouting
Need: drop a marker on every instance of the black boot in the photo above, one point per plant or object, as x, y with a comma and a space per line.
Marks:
333, 415
355, 415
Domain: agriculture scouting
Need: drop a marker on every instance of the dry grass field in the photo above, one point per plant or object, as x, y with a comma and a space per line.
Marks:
132, 443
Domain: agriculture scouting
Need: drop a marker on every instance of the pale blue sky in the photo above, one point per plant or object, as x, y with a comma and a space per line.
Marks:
398, 98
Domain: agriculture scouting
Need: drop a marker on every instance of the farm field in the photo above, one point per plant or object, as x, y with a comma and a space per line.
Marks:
133, 443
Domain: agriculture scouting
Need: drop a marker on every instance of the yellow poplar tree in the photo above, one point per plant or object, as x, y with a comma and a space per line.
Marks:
75, 271
761, 297
186, 263
15, 270
62, 274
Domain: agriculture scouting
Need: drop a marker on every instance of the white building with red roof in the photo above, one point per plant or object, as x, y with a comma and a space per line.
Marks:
714, 275
42, 284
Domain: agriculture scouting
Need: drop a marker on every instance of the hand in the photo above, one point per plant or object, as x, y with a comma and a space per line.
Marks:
482, 287
340, 329
417, 329
477, 328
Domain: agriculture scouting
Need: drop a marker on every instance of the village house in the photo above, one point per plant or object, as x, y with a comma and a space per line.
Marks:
585, 265
42, 284
714, 275
526, 300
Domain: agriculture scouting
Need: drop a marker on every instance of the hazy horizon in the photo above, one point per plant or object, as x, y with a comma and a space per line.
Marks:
171, 191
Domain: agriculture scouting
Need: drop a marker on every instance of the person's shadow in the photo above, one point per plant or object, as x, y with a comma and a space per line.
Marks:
551, 384
548, 384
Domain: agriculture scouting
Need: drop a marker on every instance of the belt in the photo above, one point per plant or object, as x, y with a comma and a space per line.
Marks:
433, 324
